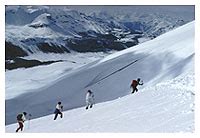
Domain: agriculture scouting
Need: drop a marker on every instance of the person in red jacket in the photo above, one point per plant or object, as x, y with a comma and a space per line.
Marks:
134, 84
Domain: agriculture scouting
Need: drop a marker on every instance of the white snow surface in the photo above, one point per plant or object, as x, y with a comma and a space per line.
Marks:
21, 80
165, 103
167, 107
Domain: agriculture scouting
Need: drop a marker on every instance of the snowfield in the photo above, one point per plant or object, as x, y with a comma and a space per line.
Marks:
165, 103
166, 107
21, 80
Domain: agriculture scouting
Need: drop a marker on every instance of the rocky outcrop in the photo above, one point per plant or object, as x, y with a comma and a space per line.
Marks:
13, 51
23, 63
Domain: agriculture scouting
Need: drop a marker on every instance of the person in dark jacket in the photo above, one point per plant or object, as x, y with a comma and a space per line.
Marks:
134, 84
58, 110
21, 118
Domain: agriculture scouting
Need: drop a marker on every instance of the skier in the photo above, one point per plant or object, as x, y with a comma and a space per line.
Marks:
58, 110
89, 99
21, 118
134, 84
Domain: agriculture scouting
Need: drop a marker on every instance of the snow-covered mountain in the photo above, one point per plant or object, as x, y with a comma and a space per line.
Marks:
59, 29
165, 64
55, 30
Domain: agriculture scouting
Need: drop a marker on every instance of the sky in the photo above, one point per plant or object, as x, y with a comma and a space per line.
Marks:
184, 11
174, 8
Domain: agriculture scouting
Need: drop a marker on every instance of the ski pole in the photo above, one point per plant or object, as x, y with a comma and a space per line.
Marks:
29, 120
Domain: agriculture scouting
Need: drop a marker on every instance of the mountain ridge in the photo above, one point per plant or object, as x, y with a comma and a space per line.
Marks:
33, 27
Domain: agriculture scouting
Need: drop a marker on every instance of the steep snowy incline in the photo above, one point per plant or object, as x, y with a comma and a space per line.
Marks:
21, 80
161, 59
166, 107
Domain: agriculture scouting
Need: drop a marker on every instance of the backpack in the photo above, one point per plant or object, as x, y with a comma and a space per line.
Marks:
134, 83
19, 117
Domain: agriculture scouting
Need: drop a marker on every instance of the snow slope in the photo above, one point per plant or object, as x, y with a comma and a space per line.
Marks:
166, 107
21, 80
159, 60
